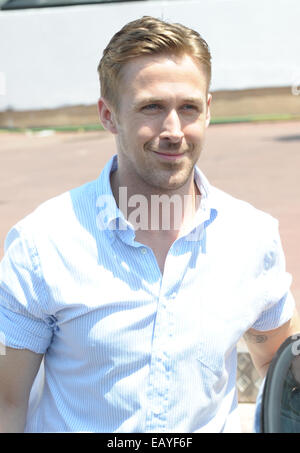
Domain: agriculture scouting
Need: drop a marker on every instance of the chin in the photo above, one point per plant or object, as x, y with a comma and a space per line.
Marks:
166, 184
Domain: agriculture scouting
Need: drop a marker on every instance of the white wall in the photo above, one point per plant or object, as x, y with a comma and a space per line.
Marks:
49, 56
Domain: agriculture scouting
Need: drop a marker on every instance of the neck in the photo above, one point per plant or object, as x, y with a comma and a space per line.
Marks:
151, 210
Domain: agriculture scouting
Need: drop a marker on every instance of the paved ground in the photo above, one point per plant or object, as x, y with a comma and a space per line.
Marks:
256, 162
246, 411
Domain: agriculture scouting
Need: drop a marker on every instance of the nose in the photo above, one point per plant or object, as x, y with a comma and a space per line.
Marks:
171, 127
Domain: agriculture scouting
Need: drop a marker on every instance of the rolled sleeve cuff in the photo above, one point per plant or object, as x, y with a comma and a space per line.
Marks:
276, 316
20, 332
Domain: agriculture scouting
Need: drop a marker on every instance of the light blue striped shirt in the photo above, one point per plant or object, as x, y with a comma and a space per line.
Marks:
128, 349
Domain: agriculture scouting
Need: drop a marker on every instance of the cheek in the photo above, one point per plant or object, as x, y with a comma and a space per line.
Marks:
146, 133
194, 132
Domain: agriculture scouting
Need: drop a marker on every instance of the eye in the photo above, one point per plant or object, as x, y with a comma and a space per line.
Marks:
190, 107
151, 107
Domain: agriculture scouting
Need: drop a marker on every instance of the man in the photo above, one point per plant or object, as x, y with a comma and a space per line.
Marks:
136, 315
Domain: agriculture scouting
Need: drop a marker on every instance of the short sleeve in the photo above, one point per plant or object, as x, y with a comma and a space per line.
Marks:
276, 316
23, 319
279, 303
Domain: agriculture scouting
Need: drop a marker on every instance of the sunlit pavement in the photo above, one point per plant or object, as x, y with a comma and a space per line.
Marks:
247, 411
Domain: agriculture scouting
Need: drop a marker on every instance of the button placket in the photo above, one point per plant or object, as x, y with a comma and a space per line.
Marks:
160, 369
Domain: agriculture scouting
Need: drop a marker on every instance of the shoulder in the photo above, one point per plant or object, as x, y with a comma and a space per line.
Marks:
57, 215
243, 225
67, 202
232, 212
240, 212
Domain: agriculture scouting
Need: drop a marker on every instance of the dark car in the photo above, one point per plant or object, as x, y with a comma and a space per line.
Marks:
279, 407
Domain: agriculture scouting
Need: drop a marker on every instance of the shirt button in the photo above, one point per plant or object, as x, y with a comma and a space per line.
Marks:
269, 260
156, 410
144, 251
160, 356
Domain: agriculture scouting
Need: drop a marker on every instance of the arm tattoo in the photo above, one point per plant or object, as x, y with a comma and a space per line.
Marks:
251, 338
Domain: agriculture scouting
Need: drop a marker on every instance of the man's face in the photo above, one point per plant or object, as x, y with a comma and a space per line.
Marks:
163, 112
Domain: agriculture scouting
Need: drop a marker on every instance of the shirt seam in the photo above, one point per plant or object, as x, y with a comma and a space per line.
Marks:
36, 267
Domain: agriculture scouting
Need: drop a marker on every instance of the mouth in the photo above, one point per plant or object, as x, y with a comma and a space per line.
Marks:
170, 156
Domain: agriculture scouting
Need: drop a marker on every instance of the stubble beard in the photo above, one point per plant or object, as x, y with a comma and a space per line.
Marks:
170, 176
159, 176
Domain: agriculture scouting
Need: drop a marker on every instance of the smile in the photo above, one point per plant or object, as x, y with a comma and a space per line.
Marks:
170, 156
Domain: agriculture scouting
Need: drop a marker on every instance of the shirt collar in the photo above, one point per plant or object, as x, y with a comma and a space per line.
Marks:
110, 217
204, 211
203, 186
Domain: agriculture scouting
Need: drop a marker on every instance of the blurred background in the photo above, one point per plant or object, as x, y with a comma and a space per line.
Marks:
51, 139
49, 55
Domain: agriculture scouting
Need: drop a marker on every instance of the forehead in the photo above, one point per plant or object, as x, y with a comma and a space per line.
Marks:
144, 75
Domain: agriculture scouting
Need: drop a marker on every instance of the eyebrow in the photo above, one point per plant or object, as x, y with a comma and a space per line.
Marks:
157, 100
194, 100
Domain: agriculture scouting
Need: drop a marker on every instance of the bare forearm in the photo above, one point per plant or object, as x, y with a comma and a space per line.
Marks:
12, 419
253, 341
264, 345
15, 387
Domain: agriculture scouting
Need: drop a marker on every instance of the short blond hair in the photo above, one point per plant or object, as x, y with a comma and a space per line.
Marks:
148, 36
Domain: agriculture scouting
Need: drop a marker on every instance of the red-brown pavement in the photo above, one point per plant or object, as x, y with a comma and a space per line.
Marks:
257, 162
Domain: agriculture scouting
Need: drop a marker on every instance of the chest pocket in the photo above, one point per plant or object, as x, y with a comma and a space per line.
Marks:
213, 377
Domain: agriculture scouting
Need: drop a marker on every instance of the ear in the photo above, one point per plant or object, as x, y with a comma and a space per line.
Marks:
207, 121
107, 116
